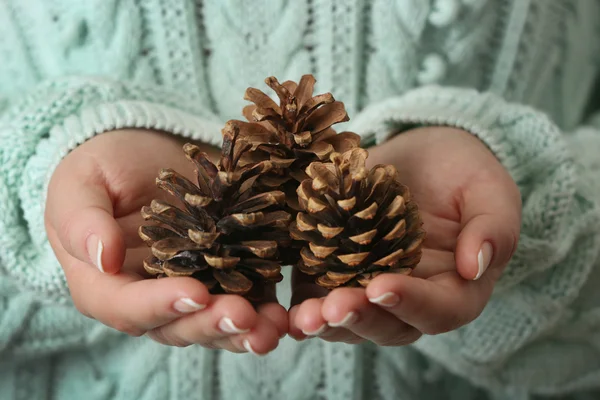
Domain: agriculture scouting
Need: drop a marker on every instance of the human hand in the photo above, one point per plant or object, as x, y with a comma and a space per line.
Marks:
471, 210
92, 218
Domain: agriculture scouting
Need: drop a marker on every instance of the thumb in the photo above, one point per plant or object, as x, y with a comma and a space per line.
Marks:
80, 211
490, 219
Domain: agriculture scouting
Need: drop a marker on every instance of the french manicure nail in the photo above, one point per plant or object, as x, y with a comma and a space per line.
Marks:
386, 300
95, 248
248, 347
484, 257
317, 332
187, 305
348, 320
227, 326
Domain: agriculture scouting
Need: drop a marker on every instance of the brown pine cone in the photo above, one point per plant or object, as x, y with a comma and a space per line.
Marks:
356, 224
226, 234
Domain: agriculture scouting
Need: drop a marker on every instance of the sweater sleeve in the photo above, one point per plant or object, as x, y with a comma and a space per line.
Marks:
544, 313
35, 134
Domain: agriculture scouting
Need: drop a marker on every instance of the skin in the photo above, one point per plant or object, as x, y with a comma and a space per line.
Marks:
465, 195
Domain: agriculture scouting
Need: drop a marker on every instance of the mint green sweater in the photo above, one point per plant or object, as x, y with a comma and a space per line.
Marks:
518, 74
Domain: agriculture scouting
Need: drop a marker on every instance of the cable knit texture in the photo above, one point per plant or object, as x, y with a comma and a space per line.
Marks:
518, 74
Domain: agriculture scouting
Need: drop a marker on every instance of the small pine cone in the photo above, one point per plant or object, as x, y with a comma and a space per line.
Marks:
357, 224
226, 234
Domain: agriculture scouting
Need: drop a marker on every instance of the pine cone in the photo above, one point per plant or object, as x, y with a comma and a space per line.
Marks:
226, 234
292, 134
298, 130
358, 223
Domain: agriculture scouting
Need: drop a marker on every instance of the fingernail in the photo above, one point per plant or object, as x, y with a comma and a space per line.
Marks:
484, 257
317, 332
95, 248
386, 300
348, 320
248, 347
227, 326
187, 305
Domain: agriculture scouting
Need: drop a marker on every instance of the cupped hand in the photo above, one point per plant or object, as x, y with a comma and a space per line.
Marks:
471, 210
92, 217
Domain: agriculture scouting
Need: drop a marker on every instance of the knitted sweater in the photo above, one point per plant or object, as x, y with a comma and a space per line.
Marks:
518, 74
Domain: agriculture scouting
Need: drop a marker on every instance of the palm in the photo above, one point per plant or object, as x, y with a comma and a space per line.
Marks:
127, 164
436, 176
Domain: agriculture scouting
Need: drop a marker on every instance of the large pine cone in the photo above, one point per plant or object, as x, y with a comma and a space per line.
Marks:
292, 134
227, 234
357, 224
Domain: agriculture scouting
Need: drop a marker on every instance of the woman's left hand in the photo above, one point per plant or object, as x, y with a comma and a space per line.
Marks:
471, 209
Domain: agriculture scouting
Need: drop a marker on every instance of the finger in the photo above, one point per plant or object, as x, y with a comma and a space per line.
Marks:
341, 335
434, 262
441, 232
262, 339
226, 343
308, 318
225, 316
218, 344
277, 315
349, 308
293, 330
440, 304
490, 216
80, 210
309, 321
129, 225
128, 304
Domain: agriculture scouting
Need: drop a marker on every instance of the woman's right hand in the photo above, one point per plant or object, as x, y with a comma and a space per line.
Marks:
92, 216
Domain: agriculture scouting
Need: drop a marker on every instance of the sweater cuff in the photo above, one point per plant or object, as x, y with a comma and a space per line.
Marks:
40, 131
467, 109
110, 116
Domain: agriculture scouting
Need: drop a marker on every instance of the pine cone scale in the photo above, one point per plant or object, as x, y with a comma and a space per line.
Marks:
316, 102
260, 99
224, 262
258, 202
304, 90
325, 116
167, 248
260, 248
205, 239
166, 218
151, 233
233, 282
